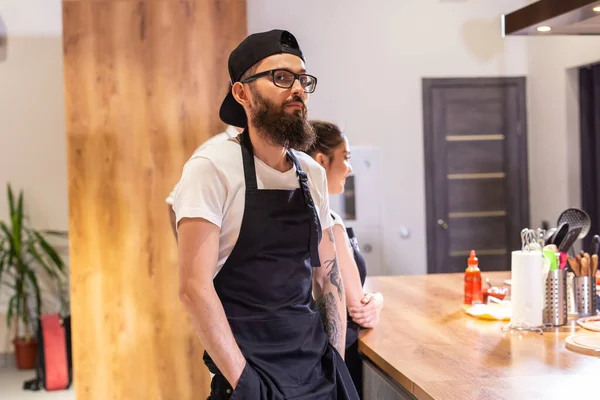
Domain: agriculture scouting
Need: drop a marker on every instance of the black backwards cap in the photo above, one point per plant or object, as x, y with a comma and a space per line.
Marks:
254, 48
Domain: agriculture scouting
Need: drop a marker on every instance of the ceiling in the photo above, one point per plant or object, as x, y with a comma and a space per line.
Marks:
554, 17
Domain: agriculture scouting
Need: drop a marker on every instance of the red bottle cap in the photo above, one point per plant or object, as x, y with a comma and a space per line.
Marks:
472, 259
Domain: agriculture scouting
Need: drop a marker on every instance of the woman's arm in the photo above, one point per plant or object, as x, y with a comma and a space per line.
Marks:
350, 275
367, 314
363, 308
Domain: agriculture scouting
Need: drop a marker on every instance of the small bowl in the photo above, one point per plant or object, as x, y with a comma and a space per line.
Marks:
494, 291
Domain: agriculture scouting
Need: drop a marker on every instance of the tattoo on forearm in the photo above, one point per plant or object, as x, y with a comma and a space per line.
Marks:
331, 319
334, 276
330, 234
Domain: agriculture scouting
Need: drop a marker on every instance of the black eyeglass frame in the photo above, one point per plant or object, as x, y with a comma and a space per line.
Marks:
272, 73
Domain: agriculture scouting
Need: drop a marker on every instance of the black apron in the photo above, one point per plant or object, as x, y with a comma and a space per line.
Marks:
352, 356
265, 287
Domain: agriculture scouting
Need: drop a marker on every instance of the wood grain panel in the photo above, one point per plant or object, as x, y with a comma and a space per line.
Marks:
477, 233
143, 84
427, 344
481, 116
475, 157
476, 195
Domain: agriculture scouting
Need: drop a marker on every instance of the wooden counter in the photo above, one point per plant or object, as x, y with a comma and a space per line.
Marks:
429, 346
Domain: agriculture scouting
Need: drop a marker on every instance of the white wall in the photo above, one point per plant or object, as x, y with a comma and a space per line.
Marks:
32, 127
554, 158
370, 58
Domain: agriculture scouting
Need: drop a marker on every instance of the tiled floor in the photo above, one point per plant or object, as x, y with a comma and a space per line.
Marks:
11, 387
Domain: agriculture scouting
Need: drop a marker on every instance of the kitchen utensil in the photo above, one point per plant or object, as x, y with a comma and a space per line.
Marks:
562, 263
594, 265
529, 240
551, 247
576, 217
574, 264
560, 234
566, 244
584, 343
541, 233
555, 307
595, 244
588, 262
550, 256
548, 235
584, 267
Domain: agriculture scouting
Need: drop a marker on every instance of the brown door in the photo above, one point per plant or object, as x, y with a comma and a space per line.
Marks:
476, 171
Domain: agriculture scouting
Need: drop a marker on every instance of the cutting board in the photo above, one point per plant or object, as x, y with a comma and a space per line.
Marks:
590, 323
584, 343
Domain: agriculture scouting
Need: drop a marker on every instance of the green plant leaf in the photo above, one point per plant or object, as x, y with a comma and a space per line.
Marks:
3, 257
8, 285
7, 248
16, 216
49, 250
10, 312
11, 199
39, 259
32, 278
61, 234
11, 243
7, 232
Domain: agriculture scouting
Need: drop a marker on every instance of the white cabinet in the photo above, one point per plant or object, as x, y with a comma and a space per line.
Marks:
360, 205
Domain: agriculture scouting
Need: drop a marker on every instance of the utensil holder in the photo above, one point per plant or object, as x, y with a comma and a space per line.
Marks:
585, 295
571, 305
555, 310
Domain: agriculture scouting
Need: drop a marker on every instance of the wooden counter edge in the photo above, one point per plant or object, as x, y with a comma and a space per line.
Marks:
393, 373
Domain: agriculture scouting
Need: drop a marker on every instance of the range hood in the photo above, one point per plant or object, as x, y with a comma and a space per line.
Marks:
554, 17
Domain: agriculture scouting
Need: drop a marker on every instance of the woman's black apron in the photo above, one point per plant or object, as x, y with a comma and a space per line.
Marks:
353, 360
265, 287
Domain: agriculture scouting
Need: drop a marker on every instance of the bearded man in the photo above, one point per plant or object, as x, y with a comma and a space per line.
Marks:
262, 289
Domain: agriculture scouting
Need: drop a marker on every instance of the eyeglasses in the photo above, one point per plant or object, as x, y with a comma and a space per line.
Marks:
285, 79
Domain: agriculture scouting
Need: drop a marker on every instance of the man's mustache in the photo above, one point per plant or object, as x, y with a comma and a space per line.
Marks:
296, 99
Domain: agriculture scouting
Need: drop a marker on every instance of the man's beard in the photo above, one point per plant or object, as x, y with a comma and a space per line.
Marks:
280, 128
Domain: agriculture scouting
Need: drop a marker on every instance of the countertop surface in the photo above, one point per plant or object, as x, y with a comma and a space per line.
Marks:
428, 344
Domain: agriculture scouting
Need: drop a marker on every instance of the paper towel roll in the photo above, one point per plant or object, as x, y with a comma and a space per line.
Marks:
527, 289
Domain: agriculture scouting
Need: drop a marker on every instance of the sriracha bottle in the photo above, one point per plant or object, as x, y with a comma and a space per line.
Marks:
473, 293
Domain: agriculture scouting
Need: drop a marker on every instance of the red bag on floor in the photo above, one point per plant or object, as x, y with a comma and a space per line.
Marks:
54, 371
54, 343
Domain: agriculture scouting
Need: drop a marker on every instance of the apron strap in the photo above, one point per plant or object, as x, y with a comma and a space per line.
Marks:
315, 231
248, 160
250, 178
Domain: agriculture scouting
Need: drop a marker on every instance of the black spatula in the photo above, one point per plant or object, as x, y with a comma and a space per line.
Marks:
570, 239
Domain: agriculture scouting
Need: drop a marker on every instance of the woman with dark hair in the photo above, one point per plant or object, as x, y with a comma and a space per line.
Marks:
332, 151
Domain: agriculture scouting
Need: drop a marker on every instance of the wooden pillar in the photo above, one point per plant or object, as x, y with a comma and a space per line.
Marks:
144, 80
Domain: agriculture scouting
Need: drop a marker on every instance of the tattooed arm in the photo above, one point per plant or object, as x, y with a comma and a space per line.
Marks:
328, 290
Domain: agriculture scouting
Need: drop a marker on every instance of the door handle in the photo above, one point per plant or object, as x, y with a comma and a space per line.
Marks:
442, 224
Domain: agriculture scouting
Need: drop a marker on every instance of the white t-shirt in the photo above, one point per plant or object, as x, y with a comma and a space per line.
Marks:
212, 187
230, 132
337, 220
